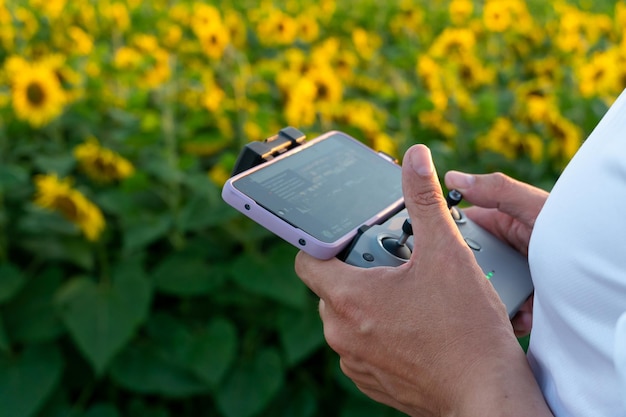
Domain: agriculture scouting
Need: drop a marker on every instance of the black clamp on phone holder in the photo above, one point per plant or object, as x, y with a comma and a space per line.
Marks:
256, 153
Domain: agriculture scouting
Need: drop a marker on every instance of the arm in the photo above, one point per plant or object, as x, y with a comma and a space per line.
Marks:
430, 338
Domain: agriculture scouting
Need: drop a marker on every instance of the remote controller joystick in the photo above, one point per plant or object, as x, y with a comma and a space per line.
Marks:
453, 198
398, 247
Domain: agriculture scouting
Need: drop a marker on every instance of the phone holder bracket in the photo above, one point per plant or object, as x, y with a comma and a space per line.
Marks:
258, 152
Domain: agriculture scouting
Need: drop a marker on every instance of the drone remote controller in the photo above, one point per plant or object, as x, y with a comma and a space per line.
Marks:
391, 244
334, 196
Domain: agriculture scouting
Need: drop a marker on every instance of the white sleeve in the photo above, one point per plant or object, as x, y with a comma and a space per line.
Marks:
619, 354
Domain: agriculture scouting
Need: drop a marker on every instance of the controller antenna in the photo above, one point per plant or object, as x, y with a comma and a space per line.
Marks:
407, 231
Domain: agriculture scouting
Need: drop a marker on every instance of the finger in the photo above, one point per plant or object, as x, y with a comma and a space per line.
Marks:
481, 216
499, 191
422, 193
523, 320
320, 276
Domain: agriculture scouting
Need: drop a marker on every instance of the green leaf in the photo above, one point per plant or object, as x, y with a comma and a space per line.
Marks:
30, 316
74, 250
102, 318
157, 164
363, 406
11, 280
4, 339
27, 379
205, 208
186, 274
197, 214
55, 245
251, 386
140, 232
213, 351
207, 352
146, 409
102, 410
13, 178
295, 399
144, 369
117, 201
272, 276
61, 165
300, 334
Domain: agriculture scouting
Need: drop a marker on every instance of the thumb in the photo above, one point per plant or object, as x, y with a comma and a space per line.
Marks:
423, 196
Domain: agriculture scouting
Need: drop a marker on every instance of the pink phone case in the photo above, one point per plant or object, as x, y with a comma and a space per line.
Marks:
288, 232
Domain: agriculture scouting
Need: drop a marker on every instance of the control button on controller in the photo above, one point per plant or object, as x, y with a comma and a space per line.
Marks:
473, 244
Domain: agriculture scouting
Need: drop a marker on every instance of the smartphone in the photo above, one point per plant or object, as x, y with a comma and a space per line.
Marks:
318, 195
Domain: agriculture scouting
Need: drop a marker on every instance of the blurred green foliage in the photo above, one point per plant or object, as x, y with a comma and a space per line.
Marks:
128, 288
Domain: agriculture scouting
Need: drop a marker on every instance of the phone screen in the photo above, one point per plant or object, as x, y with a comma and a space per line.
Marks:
327, 189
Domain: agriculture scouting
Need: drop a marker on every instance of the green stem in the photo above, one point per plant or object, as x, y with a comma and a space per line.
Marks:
4, 161
168, 127
4, 242
79, 407
102, 262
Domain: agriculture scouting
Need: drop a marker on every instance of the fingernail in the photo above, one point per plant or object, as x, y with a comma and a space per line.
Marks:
459, 180
422, 162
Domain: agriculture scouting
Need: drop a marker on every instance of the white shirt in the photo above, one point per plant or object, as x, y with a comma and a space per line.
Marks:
577, 257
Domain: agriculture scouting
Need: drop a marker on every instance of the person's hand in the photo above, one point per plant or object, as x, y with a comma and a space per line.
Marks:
431, 337
508, 209
503, 206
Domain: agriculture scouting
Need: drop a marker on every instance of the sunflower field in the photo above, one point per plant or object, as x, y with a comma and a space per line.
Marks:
128, 288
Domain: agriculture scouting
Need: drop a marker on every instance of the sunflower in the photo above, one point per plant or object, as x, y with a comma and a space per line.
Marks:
277, 29
37, 94
299, 108
408, 19
328, 86
58, 195
429, 71
363, 115
437, 121
460, 10
345, 65
118, 15
452, 43
52, 9
535, 101
308, 28
497, 16
504, 139
566, 138
127, 58
83, 43
382, 142
365, 43
601, 74
214, 39
236, 28
211, 31
102, 164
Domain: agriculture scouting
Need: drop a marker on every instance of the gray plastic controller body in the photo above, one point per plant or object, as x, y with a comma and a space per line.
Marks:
505, 268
